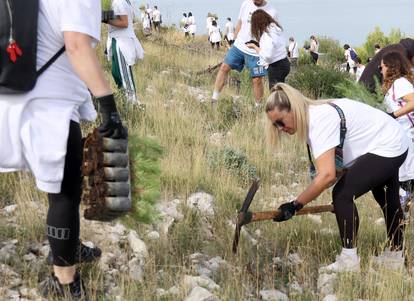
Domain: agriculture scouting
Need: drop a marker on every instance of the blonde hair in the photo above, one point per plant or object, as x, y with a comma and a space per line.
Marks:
286, 98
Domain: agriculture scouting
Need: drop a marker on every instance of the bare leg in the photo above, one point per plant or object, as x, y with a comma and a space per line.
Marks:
221, 78
64, 274
258, 89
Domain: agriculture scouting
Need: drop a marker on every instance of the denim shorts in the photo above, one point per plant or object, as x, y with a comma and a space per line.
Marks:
237, 60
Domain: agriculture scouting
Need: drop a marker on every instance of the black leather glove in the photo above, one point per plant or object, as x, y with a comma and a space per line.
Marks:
392, 115
111, 126
288, 210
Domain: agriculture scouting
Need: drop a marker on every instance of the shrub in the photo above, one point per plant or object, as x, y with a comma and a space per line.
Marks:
317, 81
353, 90
106, 4
333, 51
234, 161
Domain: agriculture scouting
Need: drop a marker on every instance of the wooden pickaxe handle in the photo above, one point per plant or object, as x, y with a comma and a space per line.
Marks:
269, 215
248, 217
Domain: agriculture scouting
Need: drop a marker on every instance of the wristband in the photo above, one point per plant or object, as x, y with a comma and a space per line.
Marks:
297, 205
106, 104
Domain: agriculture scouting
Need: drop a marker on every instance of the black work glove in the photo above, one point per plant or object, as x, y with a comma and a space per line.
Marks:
107, 15
111, 126
288, 210
392, 115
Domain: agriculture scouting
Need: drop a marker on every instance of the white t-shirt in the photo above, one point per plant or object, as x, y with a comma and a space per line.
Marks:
272, 46
393, 102
122, 8
349, 60
245, 15
156, 15
34, 126
209, 20
229, 30
192, 27
184, 24
214, 34
369, 130
314, 46
294, 50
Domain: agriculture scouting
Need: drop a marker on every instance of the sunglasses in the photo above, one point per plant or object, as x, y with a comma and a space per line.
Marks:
279, 124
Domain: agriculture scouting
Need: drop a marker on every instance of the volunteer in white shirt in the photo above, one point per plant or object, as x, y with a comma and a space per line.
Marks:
293, 52
399, 101
374, 147
156, 16
184, 25
240, 56
351, 65
124, 48
40, 131
229, 32
314, 49
272, 46
192, 26
214, 35
359, 69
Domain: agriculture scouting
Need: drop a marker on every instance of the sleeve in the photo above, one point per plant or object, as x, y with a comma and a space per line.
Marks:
402, 87
324, 133
120, 8
242, 8
82, 16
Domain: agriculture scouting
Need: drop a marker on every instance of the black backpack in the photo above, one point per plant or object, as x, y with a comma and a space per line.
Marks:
18, 46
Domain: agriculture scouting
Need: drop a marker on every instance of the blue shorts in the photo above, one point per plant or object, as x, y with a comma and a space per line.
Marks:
237, 60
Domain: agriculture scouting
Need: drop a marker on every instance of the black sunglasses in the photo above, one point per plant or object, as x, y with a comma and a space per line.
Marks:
279, 124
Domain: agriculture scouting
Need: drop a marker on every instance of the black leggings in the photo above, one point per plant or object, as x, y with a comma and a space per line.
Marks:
379, 175
278, 71
62, 224
314, 56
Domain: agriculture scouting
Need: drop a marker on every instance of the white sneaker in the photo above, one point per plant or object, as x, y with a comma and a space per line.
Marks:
343, 263
391, 260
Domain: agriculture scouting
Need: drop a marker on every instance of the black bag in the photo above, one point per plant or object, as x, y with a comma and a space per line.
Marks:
18, 46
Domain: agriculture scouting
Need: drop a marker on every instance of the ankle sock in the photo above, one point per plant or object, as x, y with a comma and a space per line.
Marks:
349, 252
216, 95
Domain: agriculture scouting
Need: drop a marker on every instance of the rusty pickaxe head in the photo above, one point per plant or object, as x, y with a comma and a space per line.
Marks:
244, 216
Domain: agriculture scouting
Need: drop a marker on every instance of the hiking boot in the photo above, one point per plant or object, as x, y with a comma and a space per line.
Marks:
390, 260
51, 288
343, 263
83, 254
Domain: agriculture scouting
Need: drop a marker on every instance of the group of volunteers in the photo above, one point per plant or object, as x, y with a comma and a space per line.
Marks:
188, 25
352, 146
151, 18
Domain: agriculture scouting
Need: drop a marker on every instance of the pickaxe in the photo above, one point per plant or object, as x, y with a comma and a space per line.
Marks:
246, 217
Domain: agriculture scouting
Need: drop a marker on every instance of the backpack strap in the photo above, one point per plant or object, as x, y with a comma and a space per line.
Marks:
343, 124
50, 62
342, 131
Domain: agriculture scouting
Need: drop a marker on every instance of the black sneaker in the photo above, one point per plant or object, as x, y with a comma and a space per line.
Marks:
51, 288
83, 254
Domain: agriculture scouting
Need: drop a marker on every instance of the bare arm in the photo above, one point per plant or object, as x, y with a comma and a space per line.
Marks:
85, 62
408, 108
120, 21
238, 27
325, 165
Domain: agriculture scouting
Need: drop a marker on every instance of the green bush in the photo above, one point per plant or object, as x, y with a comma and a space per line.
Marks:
106, 4
353, 90
317, 81
234, 161
332, 50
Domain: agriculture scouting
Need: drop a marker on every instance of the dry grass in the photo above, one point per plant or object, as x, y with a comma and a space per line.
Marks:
182, 125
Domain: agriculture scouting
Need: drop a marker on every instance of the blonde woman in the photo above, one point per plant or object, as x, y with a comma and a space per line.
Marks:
399, 99
373, 149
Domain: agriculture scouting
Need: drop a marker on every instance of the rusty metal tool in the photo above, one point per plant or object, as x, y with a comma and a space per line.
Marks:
246, 217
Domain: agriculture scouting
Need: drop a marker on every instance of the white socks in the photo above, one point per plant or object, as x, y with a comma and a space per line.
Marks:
349, 252
216, 95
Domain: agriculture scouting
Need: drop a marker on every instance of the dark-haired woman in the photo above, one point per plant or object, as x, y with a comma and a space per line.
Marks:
215, 35
313, 49
399, 101
272, 46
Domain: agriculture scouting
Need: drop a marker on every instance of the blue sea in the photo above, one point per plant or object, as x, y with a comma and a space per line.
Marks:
348, 21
